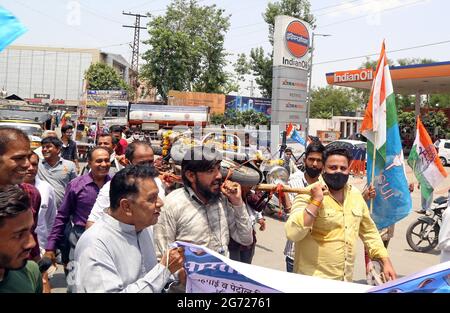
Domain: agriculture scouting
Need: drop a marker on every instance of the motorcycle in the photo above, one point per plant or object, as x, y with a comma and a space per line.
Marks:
423, 234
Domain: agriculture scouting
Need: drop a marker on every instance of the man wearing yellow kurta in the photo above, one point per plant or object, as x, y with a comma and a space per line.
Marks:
325, 228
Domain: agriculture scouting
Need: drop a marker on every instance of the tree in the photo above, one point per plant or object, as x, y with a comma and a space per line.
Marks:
331, 101
436, 125
440, 101
260, 62
261, 66
186, 49
234, 117
101, 76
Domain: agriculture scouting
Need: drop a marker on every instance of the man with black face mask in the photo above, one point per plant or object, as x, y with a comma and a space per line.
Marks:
325, 226
313, 168
204, 212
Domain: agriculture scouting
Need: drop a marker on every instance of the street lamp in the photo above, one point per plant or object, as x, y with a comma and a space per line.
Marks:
309, 84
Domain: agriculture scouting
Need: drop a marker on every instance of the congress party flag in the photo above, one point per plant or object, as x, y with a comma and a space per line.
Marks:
424, 161
385, 161
293, 134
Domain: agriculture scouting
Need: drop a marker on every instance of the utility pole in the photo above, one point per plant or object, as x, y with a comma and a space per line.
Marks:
135, 55
251, 88
308, 104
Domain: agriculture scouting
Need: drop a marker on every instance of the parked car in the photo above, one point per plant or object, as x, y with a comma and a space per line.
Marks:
355, 144
358, 148
443, 147
34, 131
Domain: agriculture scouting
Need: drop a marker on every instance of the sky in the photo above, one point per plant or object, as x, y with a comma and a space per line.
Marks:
357, 28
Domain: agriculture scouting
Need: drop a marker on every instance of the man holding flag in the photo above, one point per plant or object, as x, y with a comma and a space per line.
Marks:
385, 162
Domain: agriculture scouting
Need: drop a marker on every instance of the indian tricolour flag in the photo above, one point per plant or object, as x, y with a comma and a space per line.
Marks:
385, 162
425, 162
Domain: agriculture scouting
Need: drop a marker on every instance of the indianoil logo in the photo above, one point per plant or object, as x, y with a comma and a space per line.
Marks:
297, 39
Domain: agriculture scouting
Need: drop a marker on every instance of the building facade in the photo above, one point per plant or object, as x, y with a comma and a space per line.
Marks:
54, 73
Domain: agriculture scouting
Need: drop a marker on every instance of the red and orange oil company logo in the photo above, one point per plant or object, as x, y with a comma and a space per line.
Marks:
297, 39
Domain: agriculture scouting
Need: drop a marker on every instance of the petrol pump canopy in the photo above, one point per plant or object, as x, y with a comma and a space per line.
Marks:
410, 79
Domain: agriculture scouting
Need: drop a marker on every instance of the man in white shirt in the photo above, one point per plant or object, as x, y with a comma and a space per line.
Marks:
47, 211
137, 153
117, 254
313, 168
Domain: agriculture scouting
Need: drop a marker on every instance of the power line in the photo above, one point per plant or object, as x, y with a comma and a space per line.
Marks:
54, 19
331, 6
346, 8
135, 54
141, 4
359, 17
389, 51
92, 11
335, 5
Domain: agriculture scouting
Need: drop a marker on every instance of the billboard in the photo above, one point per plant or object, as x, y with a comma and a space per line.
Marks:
216, 102
101, 97
243, 104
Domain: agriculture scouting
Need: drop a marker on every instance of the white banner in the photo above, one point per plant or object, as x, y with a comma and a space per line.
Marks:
210, 272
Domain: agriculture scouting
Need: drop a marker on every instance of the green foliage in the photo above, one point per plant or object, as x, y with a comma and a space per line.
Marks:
241, 67
260, 62
407, 121
101, 76
234, 117
440, 101
331, 101
296, 8
186, 49
435, 123
261, 66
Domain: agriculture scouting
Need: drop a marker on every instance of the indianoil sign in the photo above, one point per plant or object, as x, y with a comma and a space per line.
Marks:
292, 38
353, 76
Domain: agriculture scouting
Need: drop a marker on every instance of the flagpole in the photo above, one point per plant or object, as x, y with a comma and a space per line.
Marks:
373, 168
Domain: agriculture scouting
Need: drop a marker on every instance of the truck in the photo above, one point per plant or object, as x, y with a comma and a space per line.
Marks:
151, 118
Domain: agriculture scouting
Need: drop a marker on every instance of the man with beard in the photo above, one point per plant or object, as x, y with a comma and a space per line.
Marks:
78, 201
17, 275
325, 227
204, 212
313, 168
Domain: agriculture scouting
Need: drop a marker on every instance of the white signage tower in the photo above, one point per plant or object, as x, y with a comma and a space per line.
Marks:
291, 64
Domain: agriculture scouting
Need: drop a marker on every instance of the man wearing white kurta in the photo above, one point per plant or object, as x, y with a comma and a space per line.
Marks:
117, 254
